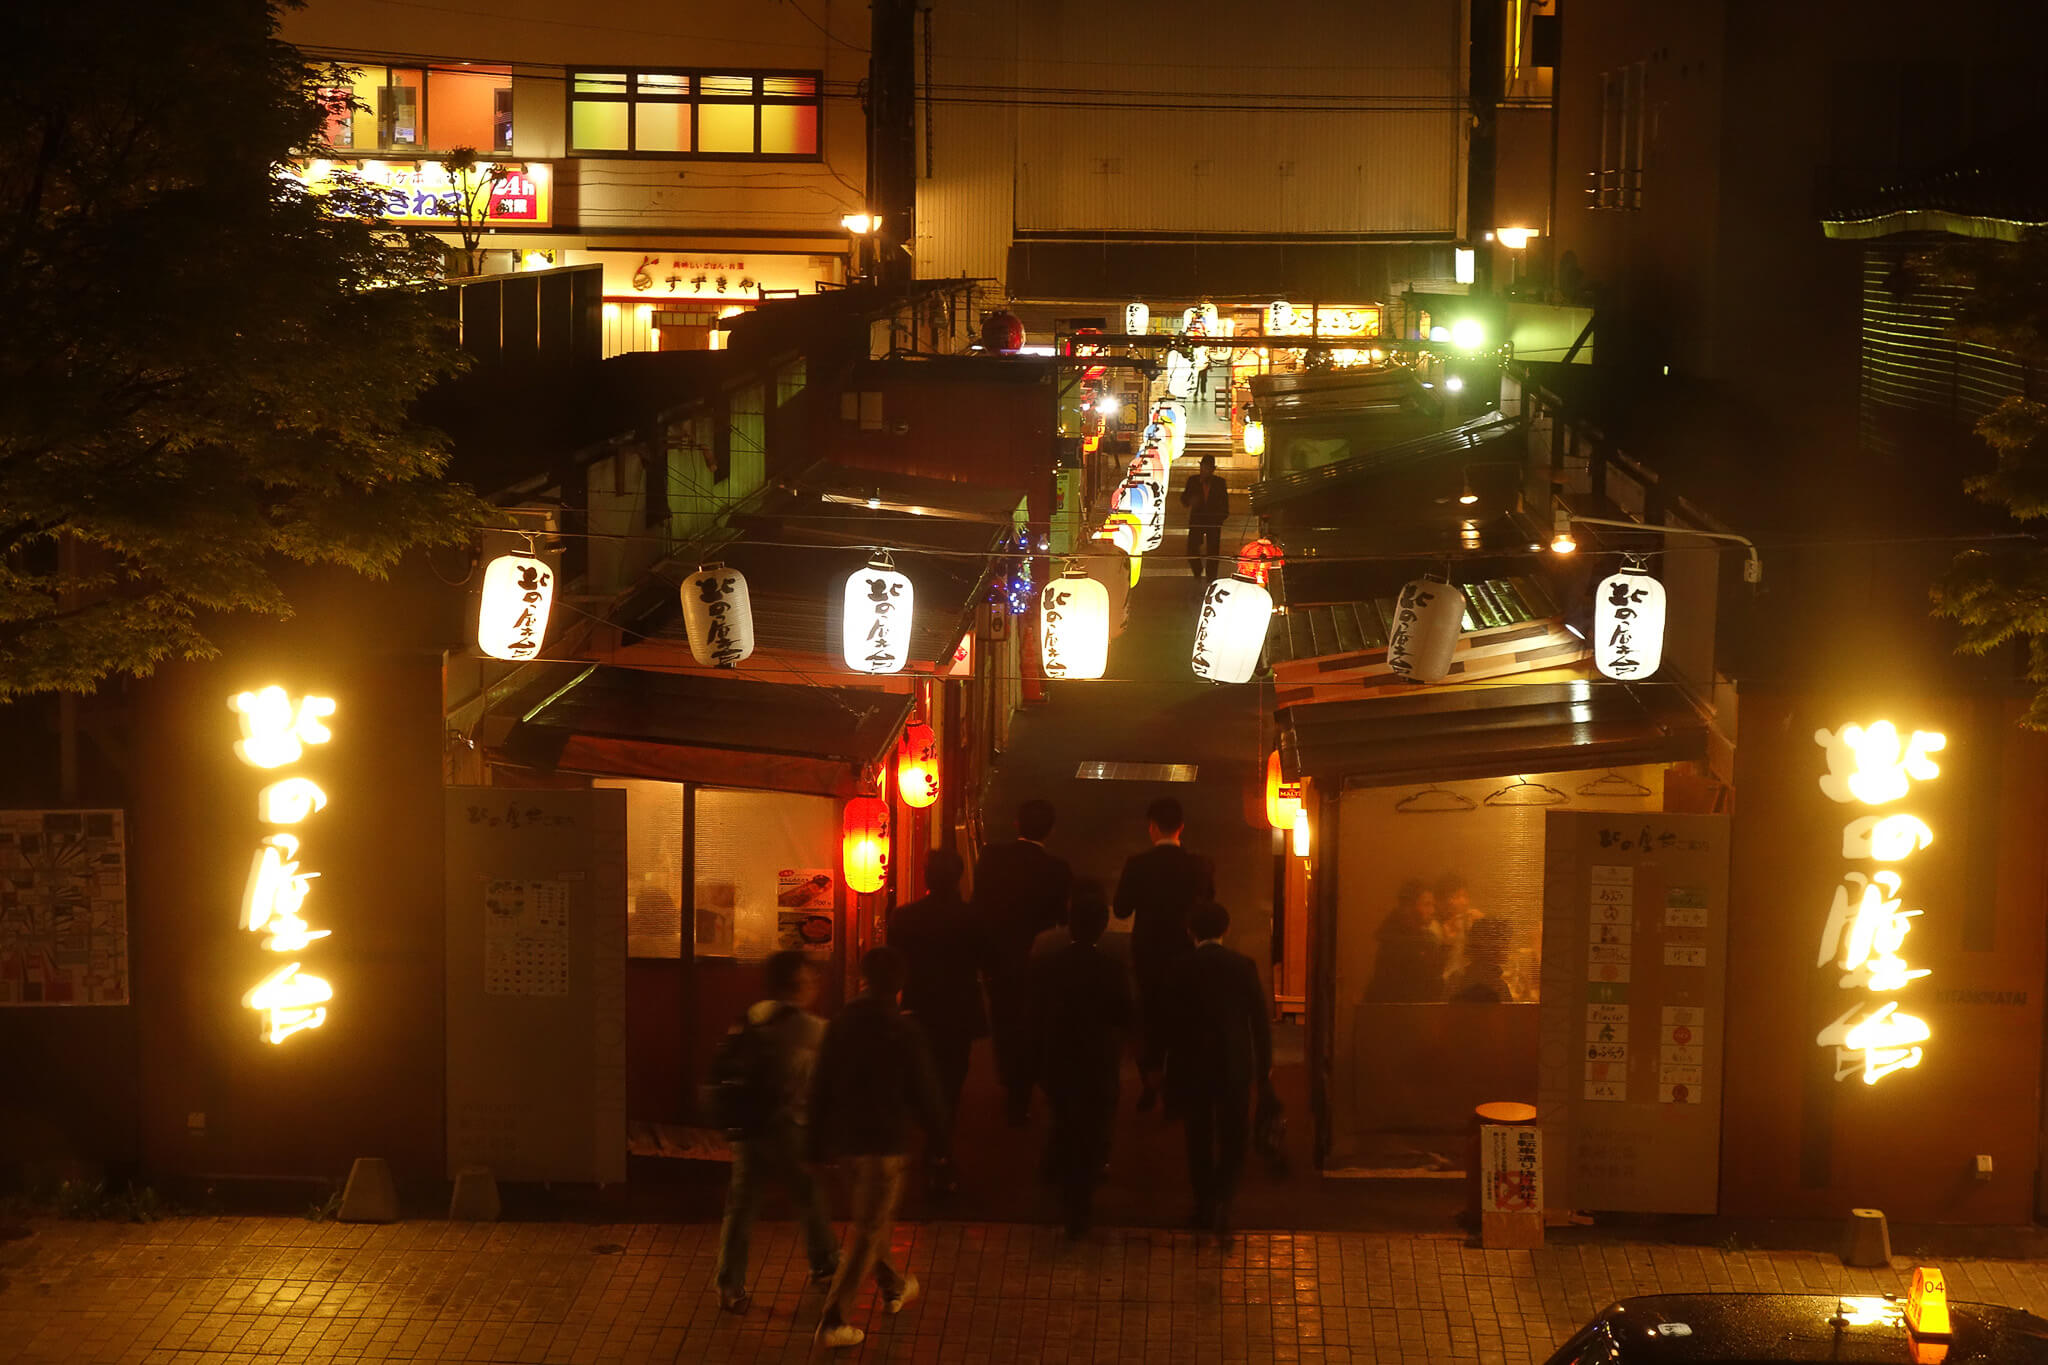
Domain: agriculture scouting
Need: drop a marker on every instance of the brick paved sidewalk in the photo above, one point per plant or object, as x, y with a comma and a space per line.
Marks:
224, 1291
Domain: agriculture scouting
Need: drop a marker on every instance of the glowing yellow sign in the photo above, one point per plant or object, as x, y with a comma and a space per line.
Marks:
275, 730
289, 1002
1868, 922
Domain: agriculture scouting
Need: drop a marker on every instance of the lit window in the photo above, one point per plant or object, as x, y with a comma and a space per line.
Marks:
416, 109
707, 114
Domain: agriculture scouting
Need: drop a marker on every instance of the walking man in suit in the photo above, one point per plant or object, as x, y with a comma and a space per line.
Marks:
1020, 891
1219, 1048
945, 950
1081, 1009
1157, 889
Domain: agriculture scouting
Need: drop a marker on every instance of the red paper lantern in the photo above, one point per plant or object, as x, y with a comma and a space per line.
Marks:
917, 765
1258, 558
1002, 331
1283, 799
864, 848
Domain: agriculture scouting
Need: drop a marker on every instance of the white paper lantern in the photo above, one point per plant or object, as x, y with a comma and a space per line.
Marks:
1180, 374
1174, 417
1108, 565
1427, 618
1232, 630
1137, 319
1628, 626
512, 610
875, 634
718, 615
1279, 318
1146, 501
1073, 626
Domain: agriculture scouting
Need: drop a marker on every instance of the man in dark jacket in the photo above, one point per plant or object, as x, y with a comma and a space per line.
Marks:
776, 1151
1157, 889
945, 950
1020, 890
1081, 1008
874, 1081
1220, 1047
1207, 500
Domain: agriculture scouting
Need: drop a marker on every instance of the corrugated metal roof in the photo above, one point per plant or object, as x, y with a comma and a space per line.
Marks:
1460, 442
847, 725
1326, 629
1444, 736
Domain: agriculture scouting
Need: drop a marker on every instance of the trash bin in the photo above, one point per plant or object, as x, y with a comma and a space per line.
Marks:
1505, 1150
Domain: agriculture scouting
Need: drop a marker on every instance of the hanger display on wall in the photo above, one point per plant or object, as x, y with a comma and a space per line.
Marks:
1434, 800
1614, 784
1522, 792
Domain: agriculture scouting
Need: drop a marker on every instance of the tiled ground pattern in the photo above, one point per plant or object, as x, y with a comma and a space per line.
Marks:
232, 1290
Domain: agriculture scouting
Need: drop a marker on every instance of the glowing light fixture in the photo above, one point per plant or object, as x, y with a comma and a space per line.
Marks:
1465, 493
1453, 384
1628, 625
1515, 238
864, 844
1466, 265
917, 765
1301, 833
1255, 437
1468, 334
1561, 540
512, 609
1231, 631
1283, 799
875, 629
860, 224
1108, 405
1428, 615
1073, 616
718, 615
275, 730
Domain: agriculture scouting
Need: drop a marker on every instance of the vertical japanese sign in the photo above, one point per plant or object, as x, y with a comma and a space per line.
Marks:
276, 729
1865, 934
1634, 923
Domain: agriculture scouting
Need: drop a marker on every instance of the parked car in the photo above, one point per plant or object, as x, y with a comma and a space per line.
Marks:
1756, 1328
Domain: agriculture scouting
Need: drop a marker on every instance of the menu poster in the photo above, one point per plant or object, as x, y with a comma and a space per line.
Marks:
804, 909
1634, 928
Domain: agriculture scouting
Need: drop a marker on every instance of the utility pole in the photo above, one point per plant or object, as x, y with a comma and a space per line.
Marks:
1486, 81
892, 137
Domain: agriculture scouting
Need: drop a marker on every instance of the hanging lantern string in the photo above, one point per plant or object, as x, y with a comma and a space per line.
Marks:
531, 549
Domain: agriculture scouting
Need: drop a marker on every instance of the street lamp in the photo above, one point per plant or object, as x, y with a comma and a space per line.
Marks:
1752, 566
860, 227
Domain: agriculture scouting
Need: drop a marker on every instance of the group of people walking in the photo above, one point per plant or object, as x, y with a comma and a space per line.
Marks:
1028, 962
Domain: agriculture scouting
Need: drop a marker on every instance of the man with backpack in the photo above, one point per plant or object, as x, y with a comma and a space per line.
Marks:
763, 1077
874, 1081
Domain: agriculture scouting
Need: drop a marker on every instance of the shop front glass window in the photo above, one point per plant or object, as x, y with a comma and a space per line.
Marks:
1439, 950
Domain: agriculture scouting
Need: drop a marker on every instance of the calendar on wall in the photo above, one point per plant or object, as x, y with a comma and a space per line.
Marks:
526, 937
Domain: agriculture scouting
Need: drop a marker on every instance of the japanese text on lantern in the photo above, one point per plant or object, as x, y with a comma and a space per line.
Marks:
716, 591
1865, 937
276, 728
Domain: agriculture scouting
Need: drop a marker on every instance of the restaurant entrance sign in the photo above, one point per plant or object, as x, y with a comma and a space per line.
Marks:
1635, 925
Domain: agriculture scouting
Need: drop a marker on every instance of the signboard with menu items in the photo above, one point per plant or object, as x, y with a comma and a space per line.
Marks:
1634, 926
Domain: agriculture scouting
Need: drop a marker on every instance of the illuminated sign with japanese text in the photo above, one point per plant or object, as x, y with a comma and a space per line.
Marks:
1865, 934
426, 194
276, 728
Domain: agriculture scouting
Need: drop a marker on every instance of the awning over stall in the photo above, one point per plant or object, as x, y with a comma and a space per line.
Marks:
624, 722
1456, 445
1448, 735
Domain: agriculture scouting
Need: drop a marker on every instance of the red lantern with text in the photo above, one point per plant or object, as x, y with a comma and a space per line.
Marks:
917, 765
1283, 799
865, 847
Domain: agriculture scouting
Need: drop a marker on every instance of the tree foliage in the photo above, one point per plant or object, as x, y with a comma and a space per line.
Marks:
203, 367
2000, 596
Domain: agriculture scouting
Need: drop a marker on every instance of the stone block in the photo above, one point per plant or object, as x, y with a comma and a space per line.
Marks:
476, 1196
370, 1195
